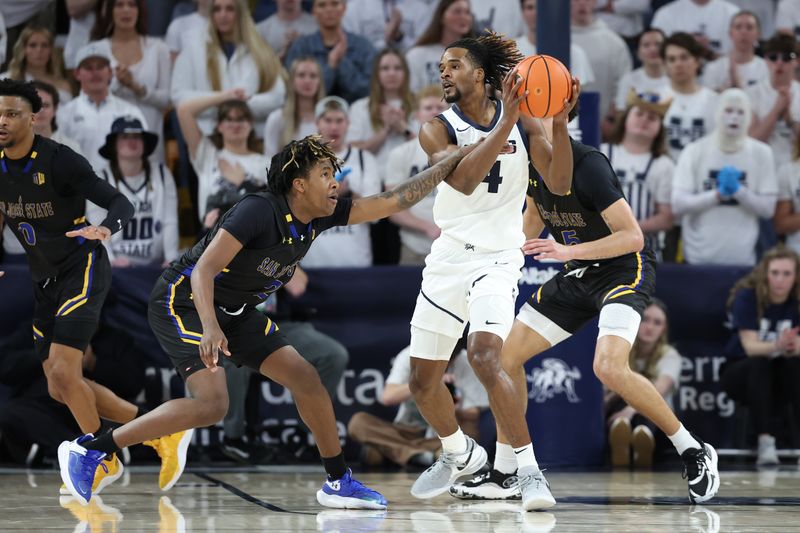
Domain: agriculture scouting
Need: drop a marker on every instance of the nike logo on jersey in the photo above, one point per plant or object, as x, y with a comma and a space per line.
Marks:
492, 323
464, 129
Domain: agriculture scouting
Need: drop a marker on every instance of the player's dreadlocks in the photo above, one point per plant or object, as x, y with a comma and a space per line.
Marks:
23, 89
494, 54
295, 160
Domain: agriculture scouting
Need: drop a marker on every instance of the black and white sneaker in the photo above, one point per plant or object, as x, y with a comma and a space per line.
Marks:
491, 485
700, 470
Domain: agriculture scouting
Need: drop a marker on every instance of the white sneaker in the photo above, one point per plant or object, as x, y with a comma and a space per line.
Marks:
535, 489
447, 469
767, 453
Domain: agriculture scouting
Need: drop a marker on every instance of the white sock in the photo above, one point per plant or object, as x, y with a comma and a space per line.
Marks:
455, 443
525, 457
683, 440
505, 461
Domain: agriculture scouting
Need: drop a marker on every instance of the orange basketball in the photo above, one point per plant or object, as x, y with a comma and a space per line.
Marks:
548, 83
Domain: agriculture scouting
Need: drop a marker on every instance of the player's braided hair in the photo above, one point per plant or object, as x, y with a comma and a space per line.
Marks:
494, 54
23, 89
295, 160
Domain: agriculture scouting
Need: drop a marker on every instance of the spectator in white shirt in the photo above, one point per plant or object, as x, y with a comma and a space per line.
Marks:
228, 163
151, 236
387, 23
82, 17
740, 67
383, 120
295, 120
232, 56
287, 24
452, 20
724, 183
691, 114
707, 20
344, 246
141, 64
776, 100
787, 210
499, 16
88, 117
35, 59
183, 31
417, 228
787, 18
764, 12
624, 16
651, 77
3, 39
526, 43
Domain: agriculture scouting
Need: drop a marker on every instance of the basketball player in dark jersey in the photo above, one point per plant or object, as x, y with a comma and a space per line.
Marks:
607, 273
44, 186
204, 305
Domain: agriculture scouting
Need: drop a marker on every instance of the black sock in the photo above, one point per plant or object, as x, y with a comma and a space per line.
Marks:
105, 427
335, 466
103, 443
141, 411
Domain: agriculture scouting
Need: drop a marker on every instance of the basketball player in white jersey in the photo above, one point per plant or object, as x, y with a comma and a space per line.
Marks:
472, 272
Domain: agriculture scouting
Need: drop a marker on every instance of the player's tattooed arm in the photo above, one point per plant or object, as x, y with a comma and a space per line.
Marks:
407, 193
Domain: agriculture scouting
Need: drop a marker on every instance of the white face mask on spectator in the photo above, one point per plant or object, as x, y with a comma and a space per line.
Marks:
733, 120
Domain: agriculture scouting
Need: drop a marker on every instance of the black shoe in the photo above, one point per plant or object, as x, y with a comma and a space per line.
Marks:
491, 485
236, 449
700, 470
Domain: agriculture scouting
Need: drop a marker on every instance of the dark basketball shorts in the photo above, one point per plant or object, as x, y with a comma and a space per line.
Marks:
252, 337
574, 297
67, 307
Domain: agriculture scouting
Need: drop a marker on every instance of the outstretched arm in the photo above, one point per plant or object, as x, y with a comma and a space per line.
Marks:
407, 193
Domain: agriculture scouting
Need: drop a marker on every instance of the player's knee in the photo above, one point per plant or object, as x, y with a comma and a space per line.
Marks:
212, 409
421, 386
305, 380
486, 364
609, 370
60, 378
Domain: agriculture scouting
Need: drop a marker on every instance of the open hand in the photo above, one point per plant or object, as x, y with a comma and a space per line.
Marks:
93, 233
511, 95
569, 103
547, 249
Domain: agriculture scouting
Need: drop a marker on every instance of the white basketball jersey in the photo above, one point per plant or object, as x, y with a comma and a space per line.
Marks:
491, 217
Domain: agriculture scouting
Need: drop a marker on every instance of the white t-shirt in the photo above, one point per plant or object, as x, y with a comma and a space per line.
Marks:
502, 16
361, 129
762, 98
639, 81
788, 16
185, 31
789, 189
274, 127
423, 65
348, 246
670, 366
580, 67
717, 74
78, 37
368, 19
88, 124
725, 233
3, 39
151, 236
210, 179
405, 161
627, 16
16, 12
690, 117
712, 20
274, 30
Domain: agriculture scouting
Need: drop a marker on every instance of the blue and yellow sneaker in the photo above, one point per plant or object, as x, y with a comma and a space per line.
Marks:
108, 471
349, 493
78, 466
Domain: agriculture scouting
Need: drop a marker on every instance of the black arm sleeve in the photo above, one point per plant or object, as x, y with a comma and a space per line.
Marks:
76, 177
595, 182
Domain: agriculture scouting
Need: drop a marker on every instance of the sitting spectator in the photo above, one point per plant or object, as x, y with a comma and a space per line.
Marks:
691, 114
344, 246
787, 18
287, 24
653, 357
228, 163
387, 23
409, 439
383, 120
417, 228
763, 366
141, 64
499, 16
35, 59
637, 152
88, 117
723, 184
579, 61
452, 20
787, 221
608, 54
232, 56
651, 77
776, 99
346, 58
295, 119
82, 17
740, 67
183, 31
151, 236
707, 20
624, 16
